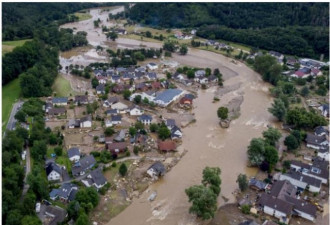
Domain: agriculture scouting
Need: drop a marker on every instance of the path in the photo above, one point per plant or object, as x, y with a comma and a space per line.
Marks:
12, 121
27, 171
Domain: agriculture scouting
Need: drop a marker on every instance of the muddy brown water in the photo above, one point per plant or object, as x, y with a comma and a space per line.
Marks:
206, 143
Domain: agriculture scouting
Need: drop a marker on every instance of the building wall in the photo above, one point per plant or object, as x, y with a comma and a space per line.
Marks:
75, 158
54, 176
305, 215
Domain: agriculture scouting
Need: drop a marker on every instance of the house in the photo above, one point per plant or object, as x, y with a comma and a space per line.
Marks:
115, 79
74, 154
323, 153
292, 61
324, 110
189, 96
108, 140
318, 169
60, 101
65, 193
302, 181
166, 146
100, 89
53, 172
167, 96
117, 147
101, 79
151, 76
111, 112
316, 142
101, 138
115, 120
135, 110
213, 78
127, 76
200, 73
321, 131
316, 72
120, 70
73, 123
95, 179
120, 31
140, 69
54, 215
81, 100
145, 119
156, 170
121, 107
276, 55
141, 87
143, 95
276, 207
257, 184
184, 101
121, 136
299, 74
152, 66
86, 122
110, 101
48, 106
176, 132
84, 164
156, 85
60, 111
170, 123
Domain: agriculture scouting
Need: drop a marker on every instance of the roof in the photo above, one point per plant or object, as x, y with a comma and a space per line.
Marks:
81, 98
57, 213
183, 100
299, 73
257, 183
117, 146
100, 87
166, 145
190, 96
72, 195
145, 117
167, 95
302, 206
53, 166
320, 129
73, 152
248, 222
152, 75
303, 178
54, 111
119, 106
283, 188
152, 64
86, 118
65, 190
275, 203
112, 111
170, 122
83, 164
113, 99
60, 100
158, 167
116, 118
315, 139
121, 135
97, 177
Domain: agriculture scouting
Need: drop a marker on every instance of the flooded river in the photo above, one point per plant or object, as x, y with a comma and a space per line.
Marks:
206, 143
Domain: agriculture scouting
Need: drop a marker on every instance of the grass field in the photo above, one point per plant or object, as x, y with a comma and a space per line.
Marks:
10, 93
83, 16
62, 87
8, 46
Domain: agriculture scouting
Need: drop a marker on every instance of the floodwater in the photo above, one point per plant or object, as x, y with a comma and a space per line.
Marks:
207, 144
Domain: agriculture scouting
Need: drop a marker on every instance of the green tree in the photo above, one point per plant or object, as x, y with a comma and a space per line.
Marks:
304, 91
112, 35
31, 220
73, 209
14, 217
137, 99
256, 151
271, 156
108, 132
242, 182
146, 101
278, 109
291, 142
164, 132
123, 169
132, 131
39, 150
94, 82
204, 201
87, 198
58, 150
82, 219
223, 113
148, 34
139, 125
169, 46
211, 179
38, 183
153, 127
21, 116
126, 94
183, 49
272, 135
245, 209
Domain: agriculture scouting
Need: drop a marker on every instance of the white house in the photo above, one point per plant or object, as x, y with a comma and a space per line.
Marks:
324, 110
176, 133
53, 172
60, 101
74, 154
316, 142
302, 181
323, 153
204, 80
121, 107
115, 120
145, 119
86, 122
96, 179
318, 170
156, 170
136, 111
152, 66
143, 95
168, 96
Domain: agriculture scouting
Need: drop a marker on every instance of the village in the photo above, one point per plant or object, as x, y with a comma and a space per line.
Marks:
124, 129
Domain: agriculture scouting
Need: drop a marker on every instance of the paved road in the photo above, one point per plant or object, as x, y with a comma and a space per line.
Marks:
27, 171
12, 121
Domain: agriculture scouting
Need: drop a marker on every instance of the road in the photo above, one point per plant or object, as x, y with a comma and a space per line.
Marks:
27, 171
12, 121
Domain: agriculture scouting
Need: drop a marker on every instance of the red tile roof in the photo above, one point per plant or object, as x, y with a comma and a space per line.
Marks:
167, 145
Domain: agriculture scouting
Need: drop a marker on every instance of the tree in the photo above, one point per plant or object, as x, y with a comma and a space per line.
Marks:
223, 113
14, 217
132, 131
38, 184
139, 125
58, 150
190, 74
291, 142
164, 132
137, 99
245, 209
256, 151
278, 109
183, 49
123, 169
211, 179
216, 72
271, 156
87, 198
204, 201
169, 46
272, 135
145, 101
242, 182
29, 203
112, 35
304, 91
82, 219
109, 132
153, 127
21, 116
148, 34
126, 94
94, 82
73, 209
39, 150
31, 220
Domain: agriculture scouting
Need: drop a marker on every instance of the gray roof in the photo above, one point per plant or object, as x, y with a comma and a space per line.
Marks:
257, 183
57, 213
302, 206
112, 111
100, 87
145, 117
53, 166
98, 177
306, 179
86, 118
116, 118
152, 75
275, 203
320, 129
73, 152
158, 167
60, 100
81, 98
65, 190
121, 135
170, 122
168, 95
315, 140
83, 164
283, 188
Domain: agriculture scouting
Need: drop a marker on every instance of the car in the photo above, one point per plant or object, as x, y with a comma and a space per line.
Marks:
38, 205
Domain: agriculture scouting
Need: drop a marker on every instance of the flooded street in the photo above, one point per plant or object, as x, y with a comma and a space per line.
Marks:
207, 144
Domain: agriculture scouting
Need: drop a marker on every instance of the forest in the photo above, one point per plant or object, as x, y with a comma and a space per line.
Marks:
293, 28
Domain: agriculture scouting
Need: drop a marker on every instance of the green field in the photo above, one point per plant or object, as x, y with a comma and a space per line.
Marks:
62, 87
10, 93
8, 46
83, 16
